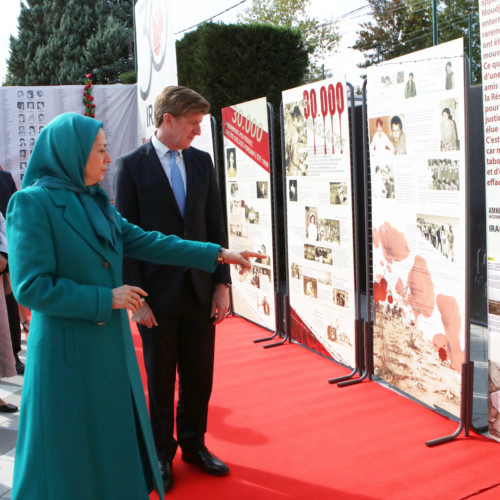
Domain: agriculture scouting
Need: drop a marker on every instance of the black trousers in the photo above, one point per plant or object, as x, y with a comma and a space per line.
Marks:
182, 342
14, 322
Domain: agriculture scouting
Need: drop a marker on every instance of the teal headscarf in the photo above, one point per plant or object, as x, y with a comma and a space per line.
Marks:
58, 162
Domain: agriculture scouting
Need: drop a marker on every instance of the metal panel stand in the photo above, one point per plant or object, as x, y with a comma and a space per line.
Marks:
467, 390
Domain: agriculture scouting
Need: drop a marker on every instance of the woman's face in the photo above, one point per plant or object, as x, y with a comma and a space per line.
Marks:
96, 166
446, 116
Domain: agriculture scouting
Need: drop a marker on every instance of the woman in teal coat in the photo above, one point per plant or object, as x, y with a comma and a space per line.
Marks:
84, 431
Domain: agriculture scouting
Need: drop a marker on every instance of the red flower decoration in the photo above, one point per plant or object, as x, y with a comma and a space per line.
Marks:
87, 96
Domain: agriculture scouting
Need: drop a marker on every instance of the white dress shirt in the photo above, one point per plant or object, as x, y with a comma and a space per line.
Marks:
163, 153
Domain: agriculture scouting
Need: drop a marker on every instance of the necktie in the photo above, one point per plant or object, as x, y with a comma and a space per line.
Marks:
177, 183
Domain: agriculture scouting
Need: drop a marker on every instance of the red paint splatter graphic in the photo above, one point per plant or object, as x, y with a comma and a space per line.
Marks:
421, 288
400, 288
450, 341
380, 290
393, 243
375, 238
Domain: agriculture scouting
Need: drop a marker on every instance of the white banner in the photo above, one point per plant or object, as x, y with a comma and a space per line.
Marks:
26, 110
416, 121
319, 217
156, 59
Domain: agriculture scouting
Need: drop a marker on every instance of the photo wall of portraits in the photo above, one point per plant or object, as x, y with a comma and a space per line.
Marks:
490, 41
416, 124
249, 208
319, 218
26, 110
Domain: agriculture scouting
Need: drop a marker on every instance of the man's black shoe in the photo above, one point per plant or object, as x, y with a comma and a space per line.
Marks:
166, 474
20, 367
206, 462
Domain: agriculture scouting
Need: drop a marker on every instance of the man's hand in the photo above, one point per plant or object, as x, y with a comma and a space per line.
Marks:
241, 258
144, 315
220, 304
127, 297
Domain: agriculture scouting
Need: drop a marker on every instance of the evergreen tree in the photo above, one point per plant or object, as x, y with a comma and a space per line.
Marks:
320, 36
401, 27
60, 41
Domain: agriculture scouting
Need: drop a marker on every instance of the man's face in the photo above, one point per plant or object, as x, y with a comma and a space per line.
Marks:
181, 131
396, 132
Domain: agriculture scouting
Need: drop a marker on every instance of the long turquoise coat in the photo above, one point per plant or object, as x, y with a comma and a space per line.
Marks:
84, 430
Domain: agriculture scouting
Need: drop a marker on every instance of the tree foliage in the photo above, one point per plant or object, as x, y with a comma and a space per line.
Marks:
60, 41
401, 27
320, 36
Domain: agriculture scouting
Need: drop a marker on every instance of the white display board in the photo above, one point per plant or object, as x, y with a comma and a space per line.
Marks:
26, 110
490, 53
319, 217
416, 122
249, 208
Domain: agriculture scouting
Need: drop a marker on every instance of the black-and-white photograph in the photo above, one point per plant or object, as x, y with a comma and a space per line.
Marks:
324, 255
383, 185
338, 193
295, 139
262, 189
292, 190
329, 230
449, 133
438, 234
310, 287
443, 175
311, 223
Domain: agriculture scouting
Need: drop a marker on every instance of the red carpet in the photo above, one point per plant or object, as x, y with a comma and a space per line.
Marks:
287, 434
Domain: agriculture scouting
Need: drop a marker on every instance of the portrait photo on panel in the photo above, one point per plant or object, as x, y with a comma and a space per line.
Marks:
410, 86
295, 139
251, 215
296, 271
262, 189
449, 134
398, 136
379, 130
292, 190
231, 162
311, 214
310, 287
449, 76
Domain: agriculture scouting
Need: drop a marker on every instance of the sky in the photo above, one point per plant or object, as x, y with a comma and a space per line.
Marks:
187, 13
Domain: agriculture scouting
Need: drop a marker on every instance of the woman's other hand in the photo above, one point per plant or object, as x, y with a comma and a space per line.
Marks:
128, 297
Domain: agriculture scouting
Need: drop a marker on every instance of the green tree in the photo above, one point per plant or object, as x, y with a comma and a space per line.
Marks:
401, 27
320, 36
60, 41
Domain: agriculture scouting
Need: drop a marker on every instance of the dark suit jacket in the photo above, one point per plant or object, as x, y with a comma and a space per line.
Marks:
144, 197
7, 189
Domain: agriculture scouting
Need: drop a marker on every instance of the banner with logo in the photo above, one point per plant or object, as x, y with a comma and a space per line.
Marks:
416, 122
156, 59
319, 218
490, 44
249, 207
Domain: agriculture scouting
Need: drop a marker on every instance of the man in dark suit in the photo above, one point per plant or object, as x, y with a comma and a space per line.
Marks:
7, 189
169, 186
